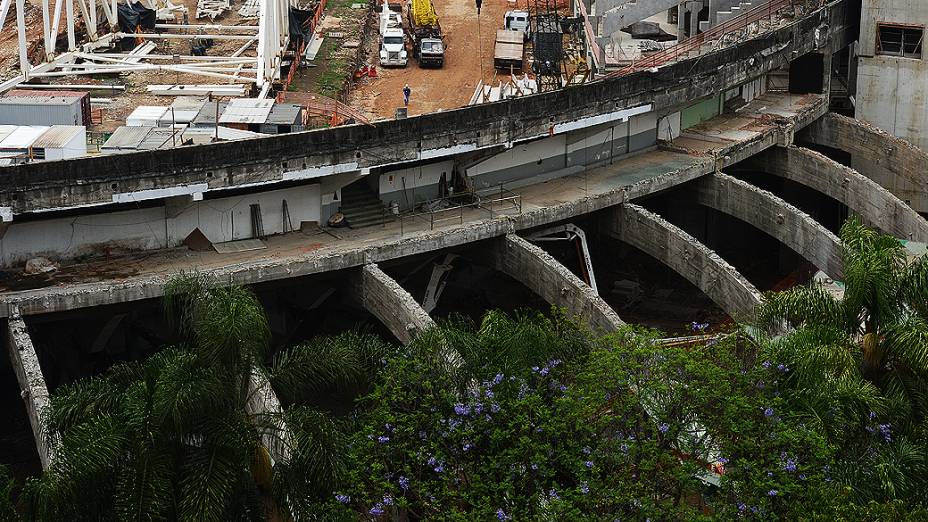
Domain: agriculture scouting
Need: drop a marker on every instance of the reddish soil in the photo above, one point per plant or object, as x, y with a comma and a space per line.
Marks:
436, 89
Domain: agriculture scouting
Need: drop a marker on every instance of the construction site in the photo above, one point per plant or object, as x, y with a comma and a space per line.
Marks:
657, 162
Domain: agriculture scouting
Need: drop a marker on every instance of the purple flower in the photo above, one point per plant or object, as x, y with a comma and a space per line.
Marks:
553, 495
535, 369
534, 467
588, 464
403, 482
544, 371
377, 510
342, 499
790, 465
461, 409
387, 500
478, 408
494, 408
466, 447
383, 439
501, 515
586, 450
624, 448
498, 379
872, 415
766, 364
768, 412
885, 431
781, 367
584, 488
802, 476
440, 468
389, 427
699, 327
741, 506
664, 427
563, 388
489, 394
772, 493
723, 460
432, 461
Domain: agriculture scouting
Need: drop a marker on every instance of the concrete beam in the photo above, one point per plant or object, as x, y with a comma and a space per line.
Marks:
775, 217
875, 205
31, 384
391, 303
544, 275
897, 165
686, 256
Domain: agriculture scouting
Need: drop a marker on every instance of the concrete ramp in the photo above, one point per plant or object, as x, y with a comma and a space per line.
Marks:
875, 205
774, 216
391, 303
686, 256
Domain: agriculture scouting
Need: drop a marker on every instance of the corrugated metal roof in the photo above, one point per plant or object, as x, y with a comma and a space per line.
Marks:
126, 138
146, 113
285, 114
225, 133
6, 130
247, 111
23, 137
207, 114
59, 136
158, 137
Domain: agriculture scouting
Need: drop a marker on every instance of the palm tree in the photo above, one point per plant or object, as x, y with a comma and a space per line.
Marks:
859, 363
176, 437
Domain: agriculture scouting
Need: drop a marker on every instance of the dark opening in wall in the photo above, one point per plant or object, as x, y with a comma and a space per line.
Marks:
807, 74
899, 40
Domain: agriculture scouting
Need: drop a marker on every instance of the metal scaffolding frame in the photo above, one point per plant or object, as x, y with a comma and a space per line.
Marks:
270, 39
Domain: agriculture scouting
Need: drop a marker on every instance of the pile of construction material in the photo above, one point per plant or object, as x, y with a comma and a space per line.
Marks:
212, 9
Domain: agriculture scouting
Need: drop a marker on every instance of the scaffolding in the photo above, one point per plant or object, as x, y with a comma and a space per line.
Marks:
547, 45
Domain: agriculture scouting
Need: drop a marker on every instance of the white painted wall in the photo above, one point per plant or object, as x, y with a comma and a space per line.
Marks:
892, 91
411, 178
522, 154
221, 219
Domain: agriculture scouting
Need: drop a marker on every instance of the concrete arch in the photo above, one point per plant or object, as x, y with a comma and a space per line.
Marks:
897, 165
873, 203
32, 386
680, 251
382, 296
544, 275
774, 216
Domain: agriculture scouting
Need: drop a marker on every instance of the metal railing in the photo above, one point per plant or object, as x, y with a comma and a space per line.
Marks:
685, 47
494, 201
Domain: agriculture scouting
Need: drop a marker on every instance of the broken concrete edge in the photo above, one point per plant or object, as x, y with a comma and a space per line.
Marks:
382, 296
728, 289
85, 295
791, 226
890, 214
545, 276
32, 387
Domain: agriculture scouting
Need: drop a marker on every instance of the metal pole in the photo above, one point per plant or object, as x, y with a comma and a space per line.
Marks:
480, 54
24, 65
217, 119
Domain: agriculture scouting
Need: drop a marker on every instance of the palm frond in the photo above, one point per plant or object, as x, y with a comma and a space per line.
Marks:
811, 304
209, 477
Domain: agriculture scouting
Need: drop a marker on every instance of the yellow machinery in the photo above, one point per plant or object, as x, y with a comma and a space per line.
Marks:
423, 13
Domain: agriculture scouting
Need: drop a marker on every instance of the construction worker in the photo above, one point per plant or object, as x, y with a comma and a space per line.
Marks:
406, 92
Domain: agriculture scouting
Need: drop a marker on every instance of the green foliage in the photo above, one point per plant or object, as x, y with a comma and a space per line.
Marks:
621, 428
857, 367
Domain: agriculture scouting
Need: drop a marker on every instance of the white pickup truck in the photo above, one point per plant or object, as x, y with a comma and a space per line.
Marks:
393, 48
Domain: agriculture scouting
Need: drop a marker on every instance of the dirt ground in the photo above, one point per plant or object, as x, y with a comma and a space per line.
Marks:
436, 89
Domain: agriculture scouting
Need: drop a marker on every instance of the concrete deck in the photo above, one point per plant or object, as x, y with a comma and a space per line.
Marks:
705, 148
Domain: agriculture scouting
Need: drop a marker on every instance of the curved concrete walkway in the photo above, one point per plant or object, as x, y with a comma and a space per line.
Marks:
774, 216
897, 165
680, 251
544, 275
863, 196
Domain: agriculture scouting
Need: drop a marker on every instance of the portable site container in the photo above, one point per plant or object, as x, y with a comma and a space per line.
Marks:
182, 110
284, 118
61, 142
247, 114
18, 143
25, 107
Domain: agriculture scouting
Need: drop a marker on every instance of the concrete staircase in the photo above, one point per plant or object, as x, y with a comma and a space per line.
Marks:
729, 9
362, 208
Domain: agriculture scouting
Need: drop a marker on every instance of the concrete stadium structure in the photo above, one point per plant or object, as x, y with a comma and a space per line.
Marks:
596, 153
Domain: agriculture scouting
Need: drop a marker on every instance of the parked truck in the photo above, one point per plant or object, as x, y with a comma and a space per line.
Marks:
518, 21
391, 17
509, 50
393, 48
428, 45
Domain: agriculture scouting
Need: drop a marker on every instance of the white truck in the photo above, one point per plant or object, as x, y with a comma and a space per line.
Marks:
518, 21
391, 17
393, 48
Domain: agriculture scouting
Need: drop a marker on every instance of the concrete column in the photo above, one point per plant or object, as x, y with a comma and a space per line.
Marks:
31, 384
895, 164
688, 257
774, 216
391, 303
875, 205
544, 275
263, 402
